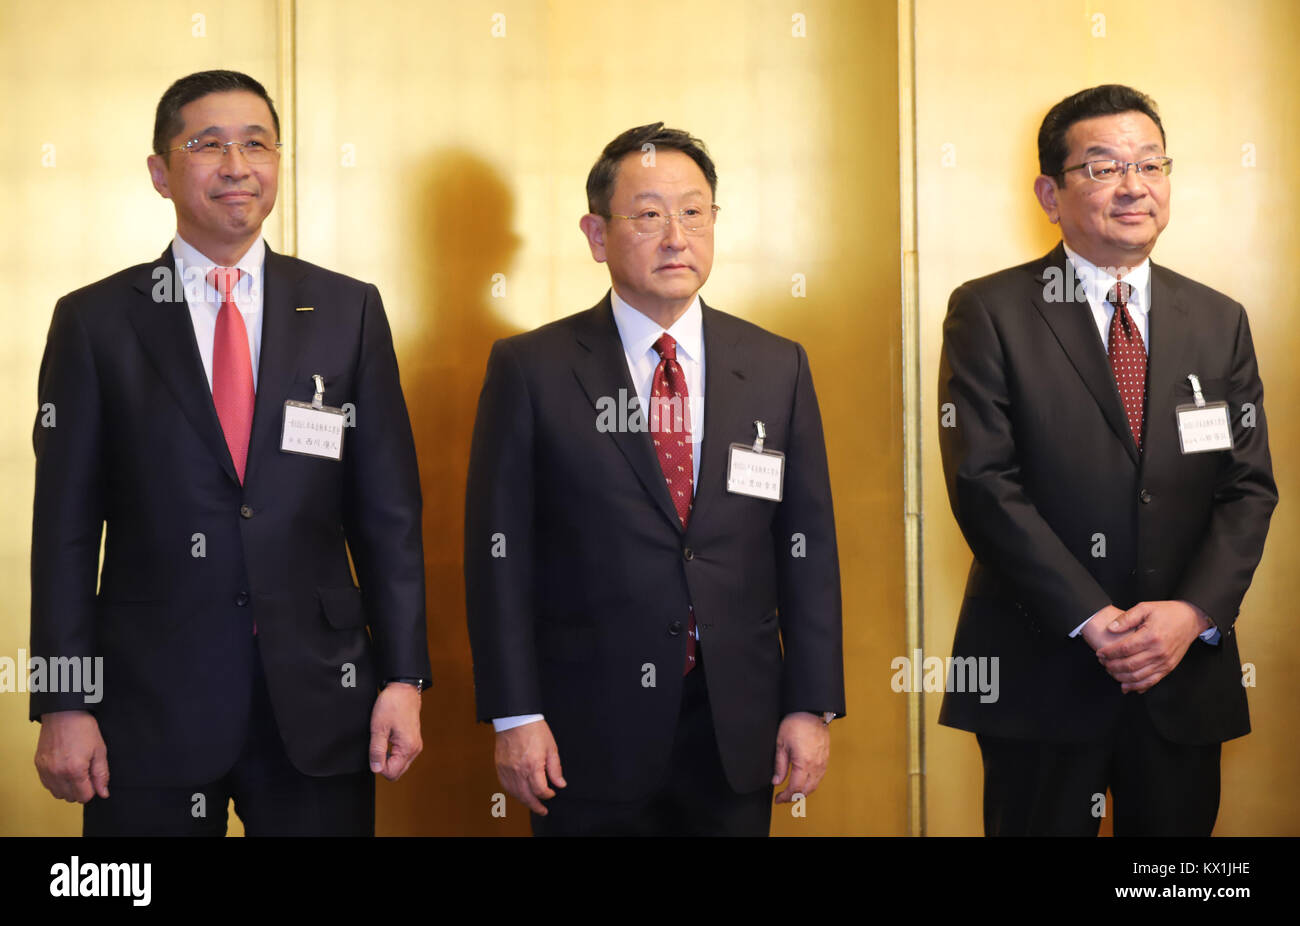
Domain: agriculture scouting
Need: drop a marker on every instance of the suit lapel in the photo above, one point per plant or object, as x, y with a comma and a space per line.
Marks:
1167, 360
723, 379
601, 369
167, 333
284, 331
1075, 329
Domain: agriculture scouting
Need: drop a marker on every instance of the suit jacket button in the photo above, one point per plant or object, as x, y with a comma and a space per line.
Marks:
241, 599
675, 628
688, 554
1145, 497
246, 511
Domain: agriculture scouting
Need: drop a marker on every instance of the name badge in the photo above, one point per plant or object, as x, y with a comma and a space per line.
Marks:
756, 472
313, 428
1204, 426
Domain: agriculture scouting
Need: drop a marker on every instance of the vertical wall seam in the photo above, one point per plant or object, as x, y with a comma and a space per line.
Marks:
288, 111
911, 363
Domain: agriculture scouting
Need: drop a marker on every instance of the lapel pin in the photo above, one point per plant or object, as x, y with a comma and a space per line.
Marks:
305, 308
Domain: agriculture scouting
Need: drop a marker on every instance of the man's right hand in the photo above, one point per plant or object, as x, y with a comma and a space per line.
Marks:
1097, 631
71, 757
526, 757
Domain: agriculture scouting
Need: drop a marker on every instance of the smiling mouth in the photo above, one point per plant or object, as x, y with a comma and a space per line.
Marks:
236, 194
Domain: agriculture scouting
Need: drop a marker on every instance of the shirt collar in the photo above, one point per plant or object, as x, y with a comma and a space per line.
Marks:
1100, 282
639, 332
251, 263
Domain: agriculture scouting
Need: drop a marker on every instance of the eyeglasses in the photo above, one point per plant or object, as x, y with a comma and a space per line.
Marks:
694, 220
1114, 171
211, 151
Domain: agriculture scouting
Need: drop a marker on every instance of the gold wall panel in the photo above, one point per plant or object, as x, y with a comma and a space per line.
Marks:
80, 82
432, 155
1225, 77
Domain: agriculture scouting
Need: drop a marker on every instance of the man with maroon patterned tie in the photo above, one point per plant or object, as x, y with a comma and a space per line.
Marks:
1106, 453
652, 588
232, 420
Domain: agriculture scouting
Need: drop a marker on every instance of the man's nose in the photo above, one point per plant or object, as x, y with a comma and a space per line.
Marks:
674, 234
1131, 184
233, 162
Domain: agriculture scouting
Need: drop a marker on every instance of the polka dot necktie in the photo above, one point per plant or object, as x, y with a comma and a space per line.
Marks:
232, 369
670, 427
1128, 360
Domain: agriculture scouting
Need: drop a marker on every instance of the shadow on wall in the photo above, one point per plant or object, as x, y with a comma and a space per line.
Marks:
460, 231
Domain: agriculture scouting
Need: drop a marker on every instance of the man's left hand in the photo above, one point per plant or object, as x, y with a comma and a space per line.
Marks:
803, 748
395, 730
1161, 632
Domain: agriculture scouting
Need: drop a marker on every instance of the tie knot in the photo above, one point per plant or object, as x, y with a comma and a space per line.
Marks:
224, 280
666, 347
1119, 294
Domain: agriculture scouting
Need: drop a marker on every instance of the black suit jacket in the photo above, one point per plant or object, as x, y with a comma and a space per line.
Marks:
192, 558
1041, 464
597, 573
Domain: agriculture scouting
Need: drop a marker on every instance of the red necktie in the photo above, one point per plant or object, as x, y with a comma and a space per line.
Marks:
671, 429
1128, 360
232, 369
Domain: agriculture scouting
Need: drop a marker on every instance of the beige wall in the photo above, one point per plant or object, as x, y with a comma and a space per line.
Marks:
1225, 76
431, 156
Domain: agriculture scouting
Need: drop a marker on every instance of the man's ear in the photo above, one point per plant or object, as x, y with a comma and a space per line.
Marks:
593, 226
1045, 189
158, 174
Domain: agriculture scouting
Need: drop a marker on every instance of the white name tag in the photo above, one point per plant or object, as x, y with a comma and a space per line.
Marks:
312, 431
1202, 428
760, 474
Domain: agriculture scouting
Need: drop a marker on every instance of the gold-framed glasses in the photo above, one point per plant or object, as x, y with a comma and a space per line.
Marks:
694, 220
1114, 171
211, 151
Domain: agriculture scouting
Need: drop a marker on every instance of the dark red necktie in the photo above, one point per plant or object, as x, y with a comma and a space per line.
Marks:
232, 369
671, 429
1128, 360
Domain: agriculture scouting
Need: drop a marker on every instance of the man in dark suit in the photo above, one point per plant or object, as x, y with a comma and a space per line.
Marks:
235, 653
643, 600
1116, 512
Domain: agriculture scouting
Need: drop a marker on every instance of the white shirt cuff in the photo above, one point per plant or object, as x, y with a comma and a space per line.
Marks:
1075, 631
502, 724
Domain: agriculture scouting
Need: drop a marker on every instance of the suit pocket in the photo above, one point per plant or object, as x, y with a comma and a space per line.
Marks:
1214, 390
342, 607
304, 387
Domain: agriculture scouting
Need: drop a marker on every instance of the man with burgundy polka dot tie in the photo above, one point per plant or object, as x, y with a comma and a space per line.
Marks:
1110, 563
654, 654
237, 652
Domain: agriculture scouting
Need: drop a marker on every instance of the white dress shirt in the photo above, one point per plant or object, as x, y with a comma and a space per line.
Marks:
205, 302
1097, 285
639, 332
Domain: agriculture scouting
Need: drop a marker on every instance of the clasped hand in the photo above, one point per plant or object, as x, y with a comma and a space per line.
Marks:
1142, 645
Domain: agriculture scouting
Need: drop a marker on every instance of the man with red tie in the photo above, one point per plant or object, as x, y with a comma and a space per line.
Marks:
1106, 454
231, 421
650, 561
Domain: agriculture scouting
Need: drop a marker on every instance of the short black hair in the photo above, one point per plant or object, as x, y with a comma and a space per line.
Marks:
1106, 100
600, 181
167, 121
